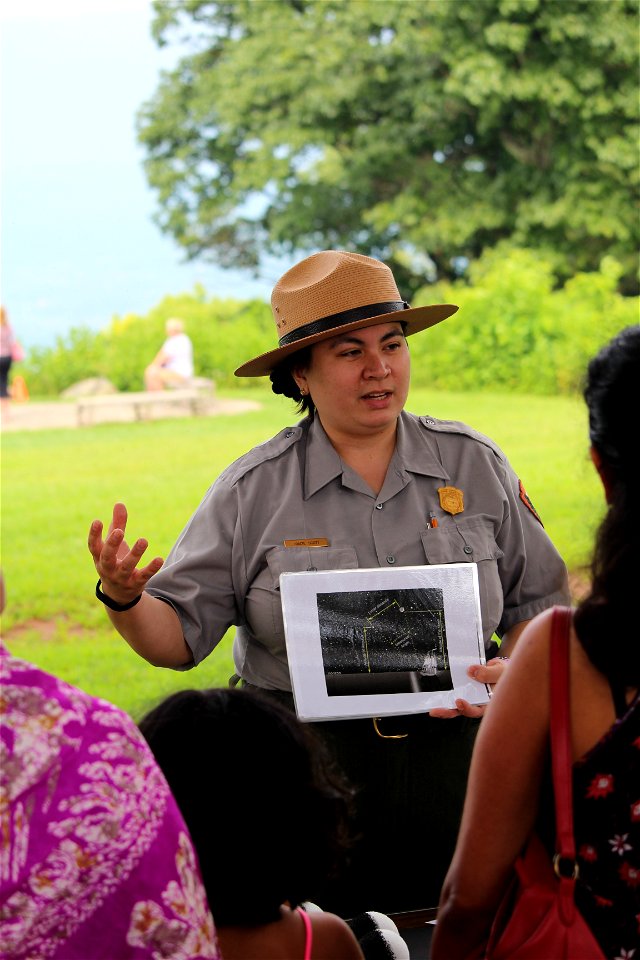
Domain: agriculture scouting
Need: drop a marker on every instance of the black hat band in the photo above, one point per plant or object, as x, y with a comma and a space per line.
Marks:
341, 319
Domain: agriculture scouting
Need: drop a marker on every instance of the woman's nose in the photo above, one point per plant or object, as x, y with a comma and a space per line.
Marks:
376, 367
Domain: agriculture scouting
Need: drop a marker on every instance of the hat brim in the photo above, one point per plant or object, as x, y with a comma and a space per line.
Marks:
415, 319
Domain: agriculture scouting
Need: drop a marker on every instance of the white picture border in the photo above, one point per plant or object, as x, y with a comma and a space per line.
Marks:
463, 625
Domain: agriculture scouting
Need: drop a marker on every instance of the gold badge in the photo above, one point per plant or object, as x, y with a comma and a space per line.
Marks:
451, 500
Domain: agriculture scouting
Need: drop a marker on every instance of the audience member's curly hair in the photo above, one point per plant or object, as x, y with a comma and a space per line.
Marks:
267, 814
606, 620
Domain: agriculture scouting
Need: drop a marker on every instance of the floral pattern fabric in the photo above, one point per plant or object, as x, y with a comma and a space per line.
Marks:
95, 858
606, 801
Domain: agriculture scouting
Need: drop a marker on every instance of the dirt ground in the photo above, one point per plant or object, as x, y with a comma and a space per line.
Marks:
44, 416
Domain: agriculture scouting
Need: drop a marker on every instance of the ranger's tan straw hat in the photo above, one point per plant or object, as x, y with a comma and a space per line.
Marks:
333, 291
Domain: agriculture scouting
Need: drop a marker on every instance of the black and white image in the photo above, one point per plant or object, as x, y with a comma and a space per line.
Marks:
384, 641
375, 642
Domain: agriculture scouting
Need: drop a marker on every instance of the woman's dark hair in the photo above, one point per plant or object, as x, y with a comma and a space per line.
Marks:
267, 814
606, 619
282, 381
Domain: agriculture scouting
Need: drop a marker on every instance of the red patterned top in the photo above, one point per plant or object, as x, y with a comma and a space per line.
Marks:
606, 804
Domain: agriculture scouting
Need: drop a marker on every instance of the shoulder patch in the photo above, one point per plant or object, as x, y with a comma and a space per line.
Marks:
524, 496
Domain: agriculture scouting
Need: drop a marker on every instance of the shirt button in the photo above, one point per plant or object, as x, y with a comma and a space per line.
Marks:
468, 549
378, 506
391, 559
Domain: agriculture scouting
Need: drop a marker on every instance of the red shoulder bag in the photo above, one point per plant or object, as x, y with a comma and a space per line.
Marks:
538, 917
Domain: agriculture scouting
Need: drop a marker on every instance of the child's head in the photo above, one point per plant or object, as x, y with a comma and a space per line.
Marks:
266, 815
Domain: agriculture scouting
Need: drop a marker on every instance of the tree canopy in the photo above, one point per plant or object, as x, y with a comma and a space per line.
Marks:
422, 132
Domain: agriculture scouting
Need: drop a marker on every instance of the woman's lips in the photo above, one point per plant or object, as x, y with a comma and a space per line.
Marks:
377, 396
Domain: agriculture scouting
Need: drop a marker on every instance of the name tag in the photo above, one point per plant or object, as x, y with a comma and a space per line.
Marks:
313, 542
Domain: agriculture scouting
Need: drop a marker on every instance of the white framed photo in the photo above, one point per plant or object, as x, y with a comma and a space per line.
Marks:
375, 642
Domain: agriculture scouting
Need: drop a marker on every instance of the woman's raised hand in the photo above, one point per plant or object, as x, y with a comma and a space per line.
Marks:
116, 564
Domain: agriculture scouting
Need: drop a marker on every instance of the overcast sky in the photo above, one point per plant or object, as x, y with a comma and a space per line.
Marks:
78, 241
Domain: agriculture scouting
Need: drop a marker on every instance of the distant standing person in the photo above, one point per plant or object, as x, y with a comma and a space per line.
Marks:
7, 346
173, 364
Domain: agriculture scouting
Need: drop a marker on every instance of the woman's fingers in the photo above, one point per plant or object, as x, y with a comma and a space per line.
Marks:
94, 540
115, 563
112, 556
129, 564
473, 710
105, 552
131, 558
463, 709
484, 673
113, 549
152, 567
119, 518
488, 673
441, 713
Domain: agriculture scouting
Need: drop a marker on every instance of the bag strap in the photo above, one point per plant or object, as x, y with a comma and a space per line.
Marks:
561, 764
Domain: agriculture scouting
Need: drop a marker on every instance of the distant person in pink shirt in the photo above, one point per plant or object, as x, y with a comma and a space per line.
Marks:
173, 364
8, 347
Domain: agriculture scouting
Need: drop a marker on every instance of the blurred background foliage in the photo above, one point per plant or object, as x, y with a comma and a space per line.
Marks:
515, 331
421, 132
488, 152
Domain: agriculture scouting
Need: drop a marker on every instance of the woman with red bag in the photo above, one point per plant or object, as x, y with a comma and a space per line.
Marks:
510, 781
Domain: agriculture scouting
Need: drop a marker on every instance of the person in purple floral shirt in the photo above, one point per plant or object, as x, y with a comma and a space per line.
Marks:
95, 858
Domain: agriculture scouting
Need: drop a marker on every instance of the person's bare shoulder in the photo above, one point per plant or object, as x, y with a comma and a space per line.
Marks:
333, 938
532, 649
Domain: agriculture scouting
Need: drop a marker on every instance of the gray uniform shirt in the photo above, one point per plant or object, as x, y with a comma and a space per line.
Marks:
224, 568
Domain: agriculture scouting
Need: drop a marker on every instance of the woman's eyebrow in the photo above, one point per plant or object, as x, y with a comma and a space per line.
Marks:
354, 338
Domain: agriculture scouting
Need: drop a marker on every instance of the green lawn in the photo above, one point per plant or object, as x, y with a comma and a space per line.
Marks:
55, 482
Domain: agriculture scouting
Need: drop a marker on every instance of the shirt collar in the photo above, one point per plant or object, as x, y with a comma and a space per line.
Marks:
322, 463
416, 450
415, 453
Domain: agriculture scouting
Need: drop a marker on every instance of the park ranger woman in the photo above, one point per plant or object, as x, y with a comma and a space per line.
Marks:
378, 487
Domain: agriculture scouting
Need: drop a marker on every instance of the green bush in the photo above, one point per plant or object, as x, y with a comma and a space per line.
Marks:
48, 370
222, 331
514, 331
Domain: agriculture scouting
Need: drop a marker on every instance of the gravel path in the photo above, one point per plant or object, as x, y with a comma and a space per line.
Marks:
45, 416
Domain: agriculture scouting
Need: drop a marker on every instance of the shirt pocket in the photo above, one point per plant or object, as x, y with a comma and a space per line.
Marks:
471, 541
464, 541
299, 559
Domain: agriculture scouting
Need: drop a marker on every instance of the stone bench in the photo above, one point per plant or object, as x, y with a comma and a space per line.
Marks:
146, 405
